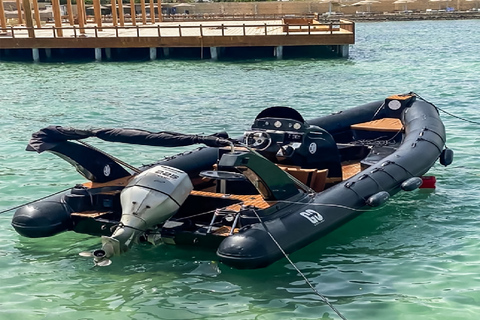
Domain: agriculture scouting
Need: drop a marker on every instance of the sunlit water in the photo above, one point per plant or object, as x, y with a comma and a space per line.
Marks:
416, 258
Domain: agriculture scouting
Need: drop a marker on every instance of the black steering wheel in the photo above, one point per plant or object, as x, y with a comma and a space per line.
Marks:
259, 140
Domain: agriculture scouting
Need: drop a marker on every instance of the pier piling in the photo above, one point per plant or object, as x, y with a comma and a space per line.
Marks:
153, 53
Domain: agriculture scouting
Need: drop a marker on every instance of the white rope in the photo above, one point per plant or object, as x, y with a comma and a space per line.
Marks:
322, 297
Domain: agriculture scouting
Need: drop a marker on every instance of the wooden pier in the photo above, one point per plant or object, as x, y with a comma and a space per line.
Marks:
156, 37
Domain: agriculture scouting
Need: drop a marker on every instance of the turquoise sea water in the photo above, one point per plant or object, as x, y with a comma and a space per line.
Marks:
416, 258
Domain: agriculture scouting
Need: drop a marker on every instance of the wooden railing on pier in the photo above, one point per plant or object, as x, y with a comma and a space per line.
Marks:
181, 35
309, 29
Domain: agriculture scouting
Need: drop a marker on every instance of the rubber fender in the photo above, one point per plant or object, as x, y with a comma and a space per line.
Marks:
42, 219
446, 157
412, 184
378, 199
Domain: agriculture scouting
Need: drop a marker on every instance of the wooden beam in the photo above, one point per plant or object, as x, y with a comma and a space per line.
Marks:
3, 20
19, 12
36, 13
159, 10
98, 14
28, 18
133, 12
178, 42
114, 12
71, 20
152, 12
81, 15
144, 12
121, 15
57, 16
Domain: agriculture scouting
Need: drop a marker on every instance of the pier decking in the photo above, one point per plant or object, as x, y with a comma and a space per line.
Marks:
205, 39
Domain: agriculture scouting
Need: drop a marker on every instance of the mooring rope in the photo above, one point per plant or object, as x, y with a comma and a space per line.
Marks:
39, 199
444, 111
322, 297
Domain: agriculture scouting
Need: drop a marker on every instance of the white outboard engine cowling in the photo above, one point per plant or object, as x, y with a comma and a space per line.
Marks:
149, 199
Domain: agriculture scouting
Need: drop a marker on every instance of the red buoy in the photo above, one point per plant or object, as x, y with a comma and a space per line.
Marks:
428, 182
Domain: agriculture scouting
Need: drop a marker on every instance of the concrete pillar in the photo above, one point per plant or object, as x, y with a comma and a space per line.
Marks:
98, 54
153, 53
108, 53
166, 52
344, 50
48, 53
214, 53
278, 52
36, 55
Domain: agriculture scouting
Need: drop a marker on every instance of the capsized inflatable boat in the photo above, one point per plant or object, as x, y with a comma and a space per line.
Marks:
284, 184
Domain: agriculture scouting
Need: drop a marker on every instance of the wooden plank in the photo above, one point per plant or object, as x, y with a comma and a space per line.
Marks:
164, 41
382, 125
255, 200
350, 169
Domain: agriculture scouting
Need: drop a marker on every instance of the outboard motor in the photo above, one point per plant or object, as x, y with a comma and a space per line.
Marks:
148, 200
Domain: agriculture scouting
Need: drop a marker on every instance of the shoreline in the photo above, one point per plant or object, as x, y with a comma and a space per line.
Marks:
379, 17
